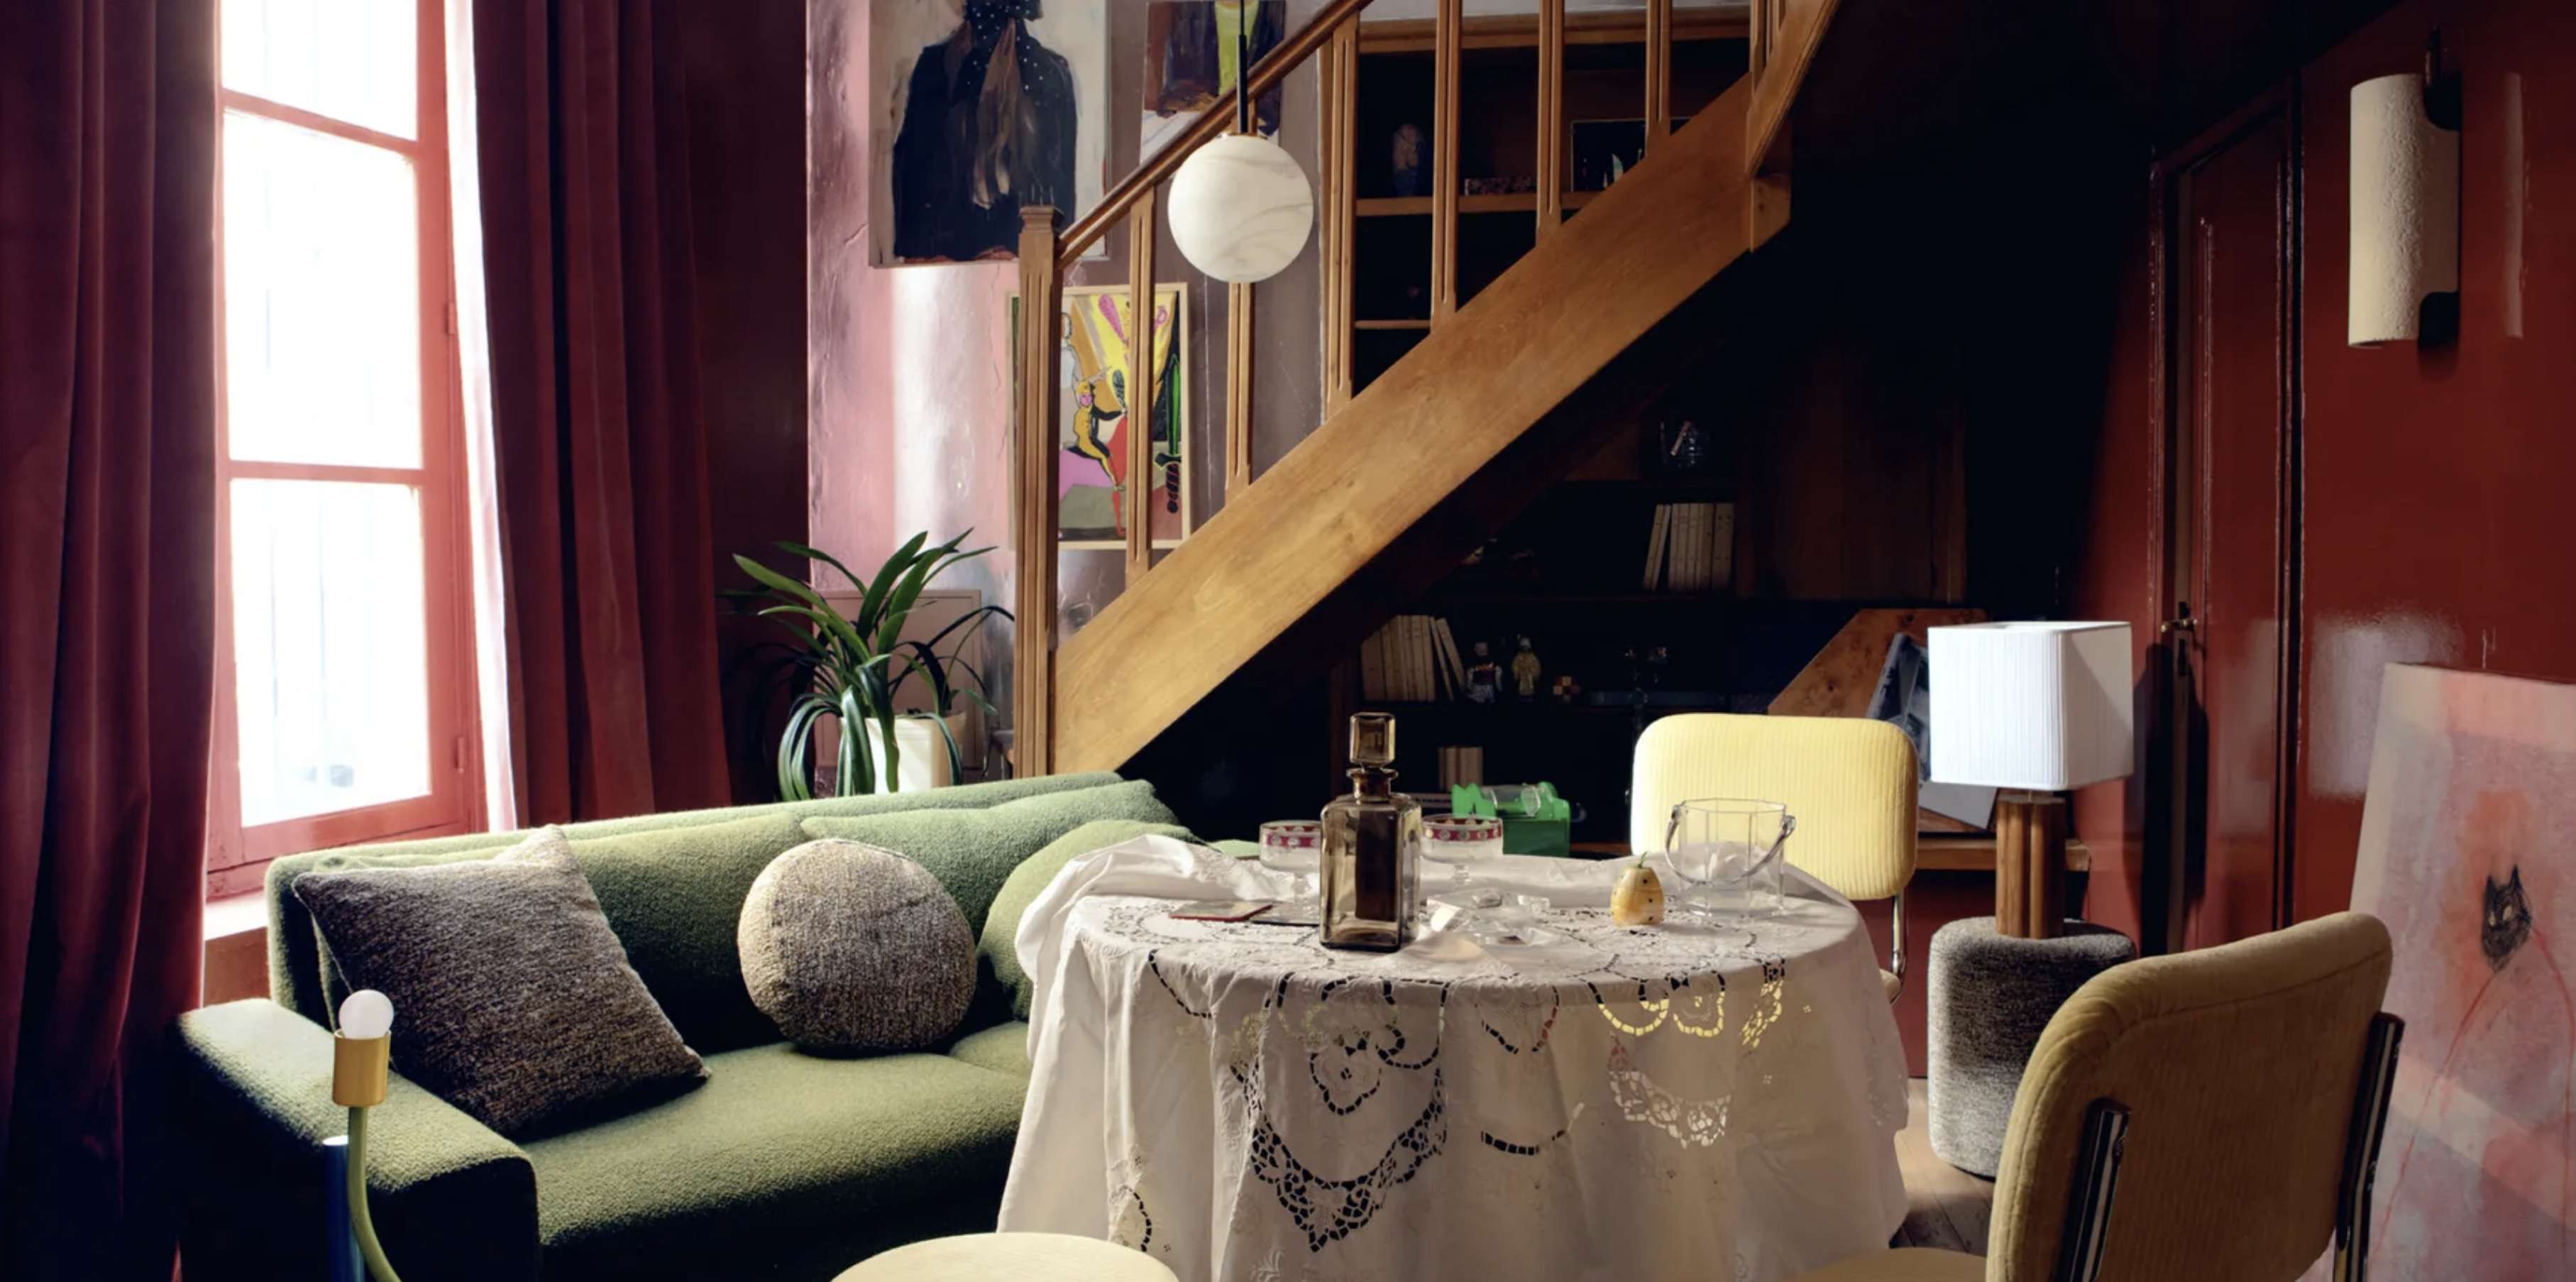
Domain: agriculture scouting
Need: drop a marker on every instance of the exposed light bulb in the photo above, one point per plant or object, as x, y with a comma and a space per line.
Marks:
367, 1015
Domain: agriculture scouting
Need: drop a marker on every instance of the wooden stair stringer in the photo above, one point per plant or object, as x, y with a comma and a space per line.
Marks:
1473, 385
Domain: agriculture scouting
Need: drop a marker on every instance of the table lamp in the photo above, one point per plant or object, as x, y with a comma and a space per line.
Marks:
2032, 709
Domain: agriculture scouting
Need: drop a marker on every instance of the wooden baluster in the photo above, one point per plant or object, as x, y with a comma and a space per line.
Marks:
1034, 509
1238, 388
1659, 71
1341, 212
1446, 33
1551, 114
1143, 484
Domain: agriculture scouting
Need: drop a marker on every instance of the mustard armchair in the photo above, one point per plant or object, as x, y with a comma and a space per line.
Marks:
2213, 1115
1849, 781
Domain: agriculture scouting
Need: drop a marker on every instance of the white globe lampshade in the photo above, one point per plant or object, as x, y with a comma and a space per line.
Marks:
1241, 208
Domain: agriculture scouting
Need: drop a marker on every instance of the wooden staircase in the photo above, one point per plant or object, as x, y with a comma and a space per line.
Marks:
1705, 197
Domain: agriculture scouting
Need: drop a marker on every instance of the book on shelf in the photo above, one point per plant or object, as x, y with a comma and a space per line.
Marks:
1691, 547
1413, 659
1461, 765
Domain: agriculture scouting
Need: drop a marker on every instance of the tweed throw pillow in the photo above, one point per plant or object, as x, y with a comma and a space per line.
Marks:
851, 947
512, 998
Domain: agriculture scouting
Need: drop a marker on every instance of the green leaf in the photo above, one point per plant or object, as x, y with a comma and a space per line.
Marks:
893, 568
956, 756
817, 554
776, 581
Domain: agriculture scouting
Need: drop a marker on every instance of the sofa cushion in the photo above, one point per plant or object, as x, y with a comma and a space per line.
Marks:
1003, 1048
512, 998
294, 966
999, 952
974, 854
851, 948
802, 1164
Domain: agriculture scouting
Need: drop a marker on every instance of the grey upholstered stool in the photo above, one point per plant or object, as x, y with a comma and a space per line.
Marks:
1990, 997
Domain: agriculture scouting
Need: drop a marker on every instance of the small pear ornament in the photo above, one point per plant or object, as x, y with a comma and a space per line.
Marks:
1638, 900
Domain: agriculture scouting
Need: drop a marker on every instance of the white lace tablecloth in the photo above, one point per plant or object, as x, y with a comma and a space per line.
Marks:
1634, 1104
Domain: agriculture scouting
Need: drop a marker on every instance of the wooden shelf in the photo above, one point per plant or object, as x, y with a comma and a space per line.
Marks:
1515, 202
1391, 324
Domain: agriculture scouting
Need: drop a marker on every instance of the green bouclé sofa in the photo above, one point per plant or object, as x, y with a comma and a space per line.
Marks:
780, 1165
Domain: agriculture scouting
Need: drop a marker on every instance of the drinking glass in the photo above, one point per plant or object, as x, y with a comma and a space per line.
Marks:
1295, 847
1731, 846
1460, 840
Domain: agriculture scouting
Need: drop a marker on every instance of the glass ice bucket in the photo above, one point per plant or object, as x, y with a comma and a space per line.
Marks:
1729, 852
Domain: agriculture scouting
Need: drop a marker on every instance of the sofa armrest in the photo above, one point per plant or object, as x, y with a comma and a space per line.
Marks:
451, 1199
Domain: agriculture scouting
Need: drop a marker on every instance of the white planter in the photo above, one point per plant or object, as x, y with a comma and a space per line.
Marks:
921, 754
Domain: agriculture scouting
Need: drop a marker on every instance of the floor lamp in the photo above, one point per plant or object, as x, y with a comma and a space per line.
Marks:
361, 1069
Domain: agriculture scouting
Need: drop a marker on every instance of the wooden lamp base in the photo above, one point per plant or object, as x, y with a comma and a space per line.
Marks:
2030, 864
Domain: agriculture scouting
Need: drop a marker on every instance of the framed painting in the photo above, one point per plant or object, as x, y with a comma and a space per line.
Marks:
1194, 50
956, 150
1094, 415
2468, 852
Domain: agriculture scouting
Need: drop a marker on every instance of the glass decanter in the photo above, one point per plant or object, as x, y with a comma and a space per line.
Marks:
1372, 848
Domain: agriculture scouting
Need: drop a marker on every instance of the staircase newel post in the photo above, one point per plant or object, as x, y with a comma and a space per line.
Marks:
1033, 507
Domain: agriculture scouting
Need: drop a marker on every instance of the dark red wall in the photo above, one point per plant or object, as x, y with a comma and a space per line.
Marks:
2433, 516
2437, 514
745, 78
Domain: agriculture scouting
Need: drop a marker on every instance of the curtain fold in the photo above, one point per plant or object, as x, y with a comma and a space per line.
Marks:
600, 456
107, 508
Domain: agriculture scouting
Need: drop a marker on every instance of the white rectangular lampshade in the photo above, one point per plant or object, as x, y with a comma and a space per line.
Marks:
2030, 705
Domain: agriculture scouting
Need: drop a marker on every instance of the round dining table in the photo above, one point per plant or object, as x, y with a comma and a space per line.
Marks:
1574, 1100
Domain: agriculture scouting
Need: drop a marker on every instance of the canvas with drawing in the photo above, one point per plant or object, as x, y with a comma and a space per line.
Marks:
1093, 411
988, 105
2468, 851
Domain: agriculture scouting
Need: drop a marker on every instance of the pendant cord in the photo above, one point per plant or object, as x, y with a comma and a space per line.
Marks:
1244, 11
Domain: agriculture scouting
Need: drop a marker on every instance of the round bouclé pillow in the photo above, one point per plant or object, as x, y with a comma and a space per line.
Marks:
852, 948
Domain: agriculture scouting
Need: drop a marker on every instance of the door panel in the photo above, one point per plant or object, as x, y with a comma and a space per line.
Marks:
2235, 548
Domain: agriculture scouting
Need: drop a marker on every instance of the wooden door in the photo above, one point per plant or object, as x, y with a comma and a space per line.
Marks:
2232, 616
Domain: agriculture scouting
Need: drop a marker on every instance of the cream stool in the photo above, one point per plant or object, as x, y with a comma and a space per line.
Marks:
1010, 1257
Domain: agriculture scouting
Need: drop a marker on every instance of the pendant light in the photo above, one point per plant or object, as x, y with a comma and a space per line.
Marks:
1241, 208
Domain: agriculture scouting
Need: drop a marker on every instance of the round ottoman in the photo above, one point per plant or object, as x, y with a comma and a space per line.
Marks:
1990, 997
1010, 1257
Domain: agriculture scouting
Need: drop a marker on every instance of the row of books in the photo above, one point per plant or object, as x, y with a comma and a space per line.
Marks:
1461, 765
1413, 658
1691, 547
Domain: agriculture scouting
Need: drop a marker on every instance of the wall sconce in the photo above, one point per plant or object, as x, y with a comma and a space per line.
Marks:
2405, 176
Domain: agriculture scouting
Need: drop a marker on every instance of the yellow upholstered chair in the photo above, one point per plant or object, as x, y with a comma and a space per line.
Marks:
2212, 1115
1848, 780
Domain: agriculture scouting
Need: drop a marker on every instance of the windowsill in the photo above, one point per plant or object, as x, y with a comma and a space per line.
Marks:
239, 914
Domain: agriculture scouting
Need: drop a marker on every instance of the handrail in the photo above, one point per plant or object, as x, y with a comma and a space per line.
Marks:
1267, 71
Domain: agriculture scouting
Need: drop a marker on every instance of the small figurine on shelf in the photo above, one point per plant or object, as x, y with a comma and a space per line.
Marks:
1525, 671
1404, 161
1484, 676
1564, 689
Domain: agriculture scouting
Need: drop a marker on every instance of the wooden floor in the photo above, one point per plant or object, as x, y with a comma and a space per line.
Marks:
1945, 1206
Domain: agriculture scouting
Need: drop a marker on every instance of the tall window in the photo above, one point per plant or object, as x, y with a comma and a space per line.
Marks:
344, 594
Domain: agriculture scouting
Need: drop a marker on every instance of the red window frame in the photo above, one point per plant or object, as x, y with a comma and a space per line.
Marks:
237, 856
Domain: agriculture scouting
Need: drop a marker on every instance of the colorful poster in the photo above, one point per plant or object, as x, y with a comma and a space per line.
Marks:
2468, 852
1094, 413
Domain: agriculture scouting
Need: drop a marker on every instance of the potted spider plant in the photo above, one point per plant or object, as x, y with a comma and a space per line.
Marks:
844, 675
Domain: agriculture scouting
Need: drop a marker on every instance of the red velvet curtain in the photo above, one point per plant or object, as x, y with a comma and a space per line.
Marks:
107, 494
600, 457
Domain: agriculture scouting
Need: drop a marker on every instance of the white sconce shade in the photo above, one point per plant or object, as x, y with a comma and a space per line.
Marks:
2405, 211
2030, 705
1241, 209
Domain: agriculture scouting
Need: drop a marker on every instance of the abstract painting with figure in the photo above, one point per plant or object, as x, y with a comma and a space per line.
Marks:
2468, 842
989, 105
